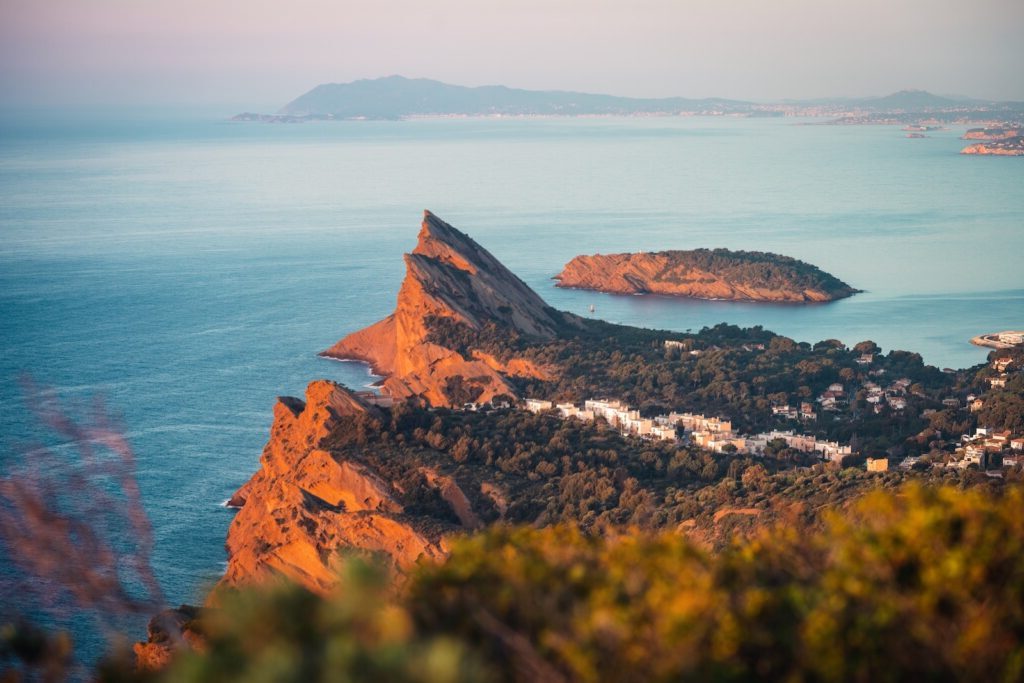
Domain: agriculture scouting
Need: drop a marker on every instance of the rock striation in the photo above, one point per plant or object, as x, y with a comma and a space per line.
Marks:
305, 506
450, 277
705, 274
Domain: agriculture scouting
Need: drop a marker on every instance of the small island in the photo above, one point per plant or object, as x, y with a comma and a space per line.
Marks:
719, 274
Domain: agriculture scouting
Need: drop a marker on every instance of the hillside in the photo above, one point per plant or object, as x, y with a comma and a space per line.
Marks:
397, 97
913, 100
705, 274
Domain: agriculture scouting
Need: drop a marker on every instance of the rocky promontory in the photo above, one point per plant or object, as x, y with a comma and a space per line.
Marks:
705, 274
305, 506
991, 133
1002, 147
451, 278
320, 494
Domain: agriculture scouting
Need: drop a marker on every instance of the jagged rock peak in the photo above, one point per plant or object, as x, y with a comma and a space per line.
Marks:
450, 277
493, 294
439, 240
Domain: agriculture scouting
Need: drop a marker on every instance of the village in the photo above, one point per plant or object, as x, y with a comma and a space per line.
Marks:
986, 449
716, 433
712, 433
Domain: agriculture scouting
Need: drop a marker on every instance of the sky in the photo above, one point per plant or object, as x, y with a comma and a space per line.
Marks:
257, 55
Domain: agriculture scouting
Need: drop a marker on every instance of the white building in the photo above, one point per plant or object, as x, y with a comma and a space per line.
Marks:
535, 405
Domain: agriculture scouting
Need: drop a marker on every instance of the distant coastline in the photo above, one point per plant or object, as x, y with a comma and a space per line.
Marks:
1013, 147
400, 98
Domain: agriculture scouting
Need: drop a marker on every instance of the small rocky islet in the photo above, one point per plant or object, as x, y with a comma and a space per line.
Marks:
719, 274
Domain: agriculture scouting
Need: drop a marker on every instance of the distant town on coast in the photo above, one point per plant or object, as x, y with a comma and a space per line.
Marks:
998, 130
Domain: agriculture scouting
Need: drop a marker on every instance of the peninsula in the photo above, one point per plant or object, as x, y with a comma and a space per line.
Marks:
451, 279
706, 274
996, 133
1003, 147
1006, 339
397, 98
1006, 139
481, 380
506, 414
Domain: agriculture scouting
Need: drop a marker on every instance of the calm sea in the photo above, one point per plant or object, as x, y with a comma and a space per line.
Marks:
188, 271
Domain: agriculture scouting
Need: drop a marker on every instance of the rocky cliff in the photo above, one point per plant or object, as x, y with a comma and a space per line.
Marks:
305, 506
1003, 147
991, 134
450, 277
319, 494
705, 274
168, 633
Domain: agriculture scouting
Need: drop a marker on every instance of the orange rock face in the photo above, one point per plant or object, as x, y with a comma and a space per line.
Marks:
305, 506
169, 632
671, 272
450, 276
991, 134
1012, 147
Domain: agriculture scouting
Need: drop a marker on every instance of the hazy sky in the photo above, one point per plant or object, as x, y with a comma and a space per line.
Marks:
250, 54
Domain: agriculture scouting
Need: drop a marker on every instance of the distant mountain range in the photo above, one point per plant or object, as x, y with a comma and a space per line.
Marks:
397, 97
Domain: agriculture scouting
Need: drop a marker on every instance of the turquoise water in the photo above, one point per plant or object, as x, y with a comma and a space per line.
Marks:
188, 271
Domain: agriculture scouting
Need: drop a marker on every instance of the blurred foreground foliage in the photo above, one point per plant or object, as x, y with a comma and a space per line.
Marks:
925, 583
281, 632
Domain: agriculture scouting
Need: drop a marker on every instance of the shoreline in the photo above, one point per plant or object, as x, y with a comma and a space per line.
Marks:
684, 297
378, 378
253, 117
992, 340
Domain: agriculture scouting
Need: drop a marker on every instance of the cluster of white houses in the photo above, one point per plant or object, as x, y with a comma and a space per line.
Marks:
713, 433
980, 447
1001, 365
716, 434
984, 443
986, 446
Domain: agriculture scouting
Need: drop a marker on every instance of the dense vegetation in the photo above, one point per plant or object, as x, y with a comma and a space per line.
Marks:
924, 585
754, 269
550, 471
1003, 408
728, 374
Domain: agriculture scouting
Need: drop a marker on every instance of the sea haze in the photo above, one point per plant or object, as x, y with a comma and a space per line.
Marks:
188, 272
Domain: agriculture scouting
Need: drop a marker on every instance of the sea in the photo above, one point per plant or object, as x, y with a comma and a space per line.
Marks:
186, 269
